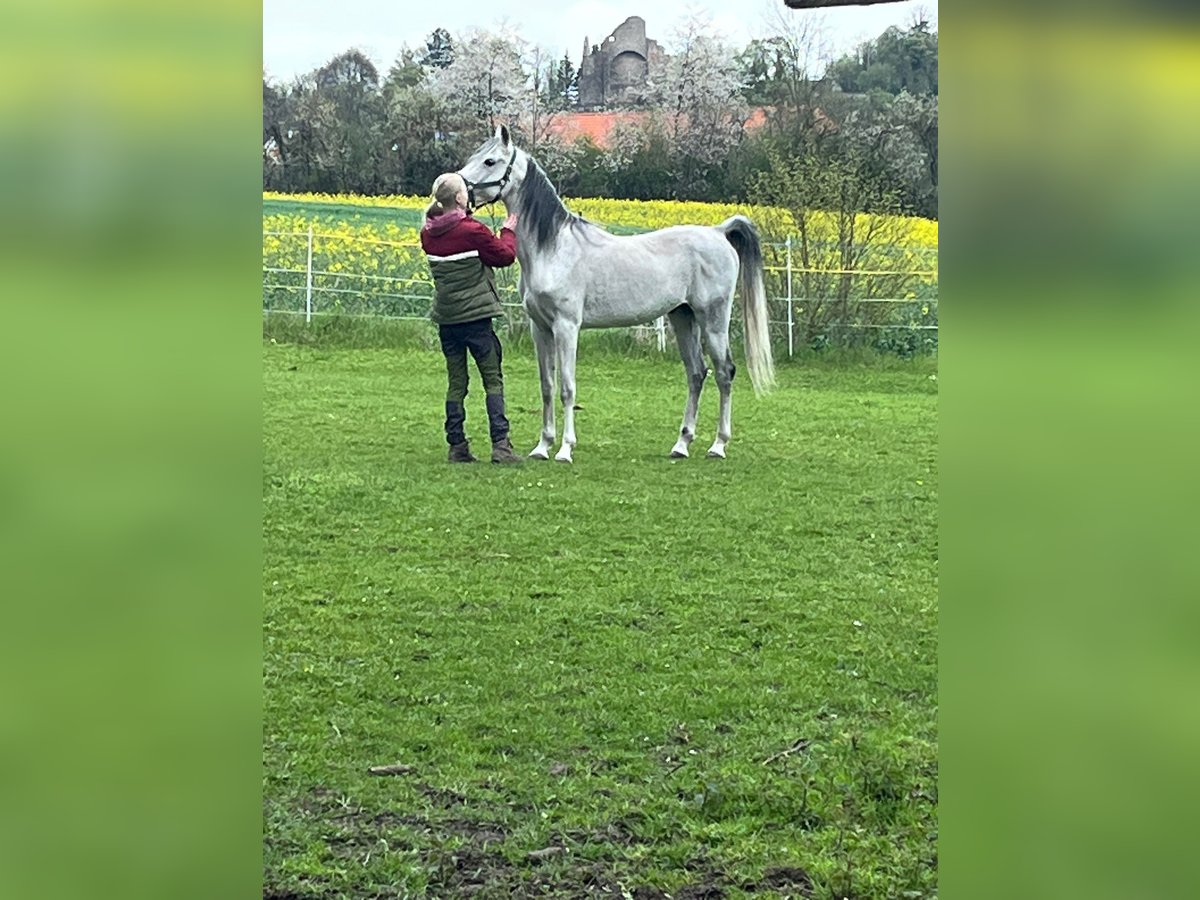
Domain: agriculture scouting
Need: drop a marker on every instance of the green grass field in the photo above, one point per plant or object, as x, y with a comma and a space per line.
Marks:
629, 677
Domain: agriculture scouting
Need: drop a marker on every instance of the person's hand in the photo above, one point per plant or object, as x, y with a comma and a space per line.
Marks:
510, 222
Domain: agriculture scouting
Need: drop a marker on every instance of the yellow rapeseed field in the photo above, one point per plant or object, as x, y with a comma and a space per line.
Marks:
652, 214
396, 201
372, 258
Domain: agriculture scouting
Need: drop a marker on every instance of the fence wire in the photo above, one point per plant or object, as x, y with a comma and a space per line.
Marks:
883, 296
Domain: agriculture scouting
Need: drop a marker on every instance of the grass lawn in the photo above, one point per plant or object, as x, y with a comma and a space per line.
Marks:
630, 676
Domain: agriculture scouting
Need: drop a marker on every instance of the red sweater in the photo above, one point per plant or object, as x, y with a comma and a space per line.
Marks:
457, 232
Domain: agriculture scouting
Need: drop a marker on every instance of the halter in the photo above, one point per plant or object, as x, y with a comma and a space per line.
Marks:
501, 183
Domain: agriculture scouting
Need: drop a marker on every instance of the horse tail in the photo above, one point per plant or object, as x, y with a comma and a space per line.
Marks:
741, 233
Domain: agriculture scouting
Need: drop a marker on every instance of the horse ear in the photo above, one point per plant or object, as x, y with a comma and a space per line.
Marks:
503, 135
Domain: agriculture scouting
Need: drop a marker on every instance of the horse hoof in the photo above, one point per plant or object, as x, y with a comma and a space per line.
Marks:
716, 454
539, 453
679, 454
563, 457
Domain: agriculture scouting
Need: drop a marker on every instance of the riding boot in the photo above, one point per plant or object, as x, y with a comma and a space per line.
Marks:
502, 449
461, 453
502, 452
456, 416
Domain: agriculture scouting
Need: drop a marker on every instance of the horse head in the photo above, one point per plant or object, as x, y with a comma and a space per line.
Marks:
490, 169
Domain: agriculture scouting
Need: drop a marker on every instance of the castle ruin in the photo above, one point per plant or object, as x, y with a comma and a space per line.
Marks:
619, 71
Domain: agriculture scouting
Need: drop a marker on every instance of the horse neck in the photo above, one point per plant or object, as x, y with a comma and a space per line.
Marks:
533, 182
534, 201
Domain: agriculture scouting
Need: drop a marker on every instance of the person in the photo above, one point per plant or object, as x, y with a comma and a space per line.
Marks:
462, 253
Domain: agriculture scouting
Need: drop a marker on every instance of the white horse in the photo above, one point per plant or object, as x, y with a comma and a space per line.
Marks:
574, 275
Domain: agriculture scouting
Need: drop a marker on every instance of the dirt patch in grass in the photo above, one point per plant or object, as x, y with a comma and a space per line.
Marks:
442, 798
619, 833
786, 880
704, 890
471, 872
478, 864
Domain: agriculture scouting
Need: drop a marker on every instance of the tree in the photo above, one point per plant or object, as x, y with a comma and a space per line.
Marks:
541, 104
703, 112
274, 105
920, 116
350, 84
641, 160
439, 49
407, 71
896, 140
274, 113
895, 61
350, 72
893, 140
841, 251
580, 169
787, 65
413, 119
562, 88
483, 87
755, 62
313, 119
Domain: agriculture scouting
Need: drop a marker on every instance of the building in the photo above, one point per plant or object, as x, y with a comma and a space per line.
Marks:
619, 71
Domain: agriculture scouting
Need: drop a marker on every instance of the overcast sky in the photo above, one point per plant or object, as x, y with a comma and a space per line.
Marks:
300, 35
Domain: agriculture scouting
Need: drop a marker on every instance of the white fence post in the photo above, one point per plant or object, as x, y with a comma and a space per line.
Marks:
790, 320
308, 280
660, 325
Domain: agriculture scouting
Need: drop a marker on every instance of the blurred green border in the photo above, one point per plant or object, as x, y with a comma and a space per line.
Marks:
1069, 726
130, 457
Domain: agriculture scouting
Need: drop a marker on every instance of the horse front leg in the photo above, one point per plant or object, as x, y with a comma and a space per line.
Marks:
543, 343
566, 340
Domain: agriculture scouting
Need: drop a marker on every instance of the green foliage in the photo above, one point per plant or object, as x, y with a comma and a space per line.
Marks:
641, 161
439, 49
578, 170
700, 677
895, 61
757, 64
562, 87
847, 259
345, 129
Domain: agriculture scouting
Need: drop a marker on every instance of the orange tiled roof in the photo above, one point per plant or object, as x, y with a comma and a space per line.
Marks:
598, 126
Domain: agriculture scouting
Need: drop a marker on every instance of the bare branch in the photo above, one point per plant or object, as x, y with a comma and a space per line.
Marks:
822, 4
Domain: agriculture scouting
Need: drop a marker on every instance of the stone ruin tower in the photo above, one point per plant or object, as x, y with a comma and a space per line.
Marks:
616, 72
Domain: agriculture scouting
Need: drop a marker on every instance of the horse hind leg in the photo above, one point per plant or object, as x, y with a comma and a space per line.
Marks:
687, 335
566, 339
724, 369
543, 342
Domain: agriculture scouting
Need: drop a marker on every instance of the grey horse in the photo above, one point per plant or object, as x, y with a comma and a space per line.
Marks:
575, 275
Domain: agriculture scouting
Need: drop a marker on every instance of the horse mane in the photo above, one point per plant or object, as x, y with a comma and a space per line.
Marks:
541, 205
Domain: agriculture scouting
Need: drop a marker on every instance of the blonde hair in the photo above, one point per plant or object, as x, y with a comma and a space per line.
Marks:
446, 189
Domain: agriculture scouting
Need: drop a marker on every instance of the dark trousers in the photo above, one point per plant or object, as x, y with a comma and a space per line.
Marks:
481, 341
